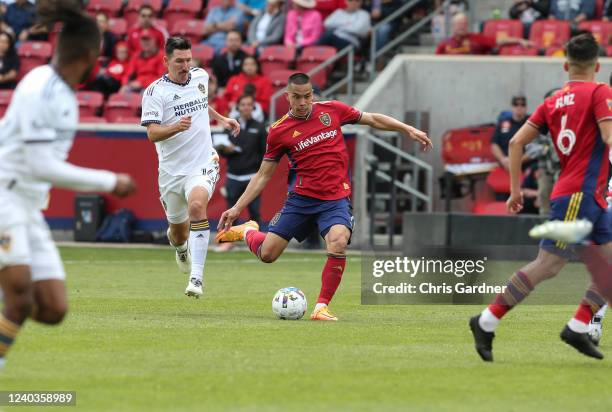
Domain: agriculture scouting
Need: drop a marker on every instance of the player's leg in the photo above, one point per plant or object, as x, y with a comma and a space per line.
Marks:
545, 266
175, 207
16, 284
178, 236
50, 301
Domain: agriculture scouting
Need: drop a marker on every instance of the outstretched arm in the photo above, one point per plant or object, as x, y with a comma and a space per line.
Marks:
230, 124
383, 122
253, 189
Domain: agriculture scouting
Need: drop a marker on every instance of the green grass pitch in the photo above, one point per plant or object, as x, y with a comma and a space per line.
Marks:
134, 342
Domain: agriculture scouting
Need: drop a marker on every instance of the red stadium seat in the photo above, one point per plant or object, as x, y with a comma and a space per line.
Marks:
5, 100
122, 105
248, 49
546, 33
213, 3
609, 51
555, 51
311, 57
517, 50
499, 180
279, 78
490, 208
190, 28
134, 120
502, 29
602, 30
92, 119
89, 103
178, 10
599, 9
117, 26
273, 58
468, 145
33, 54
109, 7
133, 6
204, 53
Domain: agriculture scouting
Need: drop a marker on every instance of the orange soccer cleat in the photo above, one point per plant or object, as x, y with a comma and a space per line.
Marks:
235, 233
322, 314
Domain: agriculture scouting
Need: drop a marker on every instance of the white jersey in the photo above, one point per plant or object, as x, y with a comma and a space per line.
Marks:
43, 109
166, 102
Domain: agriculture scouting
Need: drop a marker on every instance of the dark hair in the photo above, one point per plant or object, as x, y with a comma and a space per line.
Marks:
258, 71
79, 35
177, 43
11, 50
245, 96
582, 49
299, 79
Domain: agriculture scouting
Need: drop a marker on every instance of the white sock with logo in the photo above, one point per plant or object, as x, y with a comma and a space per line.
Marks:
199, 236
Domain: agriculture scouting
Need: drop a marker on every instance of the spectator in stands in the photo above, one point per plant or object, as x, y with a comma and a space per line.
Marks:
304, 24
244, 154
229, 63
380, 10
146, 16
575, 11
327, 7
506, 127
528, 11
109, 40
108, 80
216, 100
346, 27
145, 67
251, 8
464, 42
20, 16
221, 20
9, 61
258, 113
269, 27
250, 74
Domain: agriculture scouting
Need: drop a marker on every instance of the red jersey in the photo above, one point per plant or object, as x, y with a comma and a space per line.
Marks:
472, 43
318, 158
572, 116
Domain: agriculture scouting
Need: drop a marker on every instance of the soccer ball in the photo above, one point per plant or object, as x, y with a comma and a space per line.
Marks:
289, 303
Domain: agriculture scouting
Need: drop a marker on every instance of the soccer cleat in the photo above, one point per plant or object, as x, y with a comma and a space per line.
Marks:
580, 342
322, 314
595, 330
194, 288
235, 233
568, 232
483, 340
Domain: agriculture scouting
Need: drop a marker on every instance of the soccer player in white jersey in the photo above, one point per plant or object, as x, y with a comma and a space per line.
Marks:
36, 135
176, 114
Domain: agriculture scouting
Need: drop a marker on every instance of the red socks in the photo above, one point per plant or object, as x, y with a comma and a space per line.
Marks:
254, 239
331, 277
517, 289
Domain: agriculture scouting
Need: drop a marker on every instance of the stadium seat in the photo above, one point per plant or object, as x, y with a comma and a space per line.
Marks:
131, 9
273, 58
609, 51
133, 120
311, 57
468, 145
499, 180
279, 78
556, 50
178, 10
92, 119
109, 7
33, 54
117, 26
213, 3
599, 9
490, 208
502, 29
122, 105
546, 33
189, 28
204, 53
517, 50
248, 49
602, 30
89, 103
5, 100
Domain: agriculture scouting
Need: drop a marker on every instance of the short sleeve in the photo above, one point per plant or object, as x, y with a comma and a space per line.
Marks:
34, 121
538, 119
348, 114
602, 103
274, 147
152, 107
496, 137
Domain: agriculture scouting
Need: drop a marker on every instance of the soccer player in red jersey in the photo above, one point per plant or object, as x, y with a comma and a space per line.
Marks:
319, 184
579, 120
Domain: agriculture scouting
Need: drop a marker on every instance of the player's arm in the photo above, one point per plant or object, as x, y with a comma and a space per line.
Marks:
526, 134
605, 127
158, 133
253, 189
383, 122
230, 124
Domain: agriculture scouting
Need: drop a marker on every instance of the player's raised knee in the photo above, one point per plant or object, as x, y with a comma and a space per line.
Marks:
268, 256
197, 209
52, 313
337, 242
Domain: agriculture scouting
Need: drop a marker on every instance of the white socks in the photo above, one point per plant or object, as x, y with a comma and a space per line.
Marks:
319, 306
578, 326
488, 321
199, 235
602, 312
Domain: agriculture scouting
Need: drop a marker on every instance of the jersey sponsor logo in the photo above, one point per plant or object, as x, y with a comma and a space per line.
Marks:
564, 101
190, 107
303, 144
176, 97
325, 119
275, 219
296, 133
152, 113
202, 88
505, 126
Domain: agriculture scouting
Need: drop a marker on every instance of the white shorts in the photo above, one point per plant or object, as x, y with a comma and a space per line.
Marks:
175, 190
25, 239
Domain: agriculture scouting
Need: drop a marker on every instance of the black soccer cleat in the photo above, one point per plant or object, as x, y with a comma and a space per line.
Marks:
483, 340
581, 342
